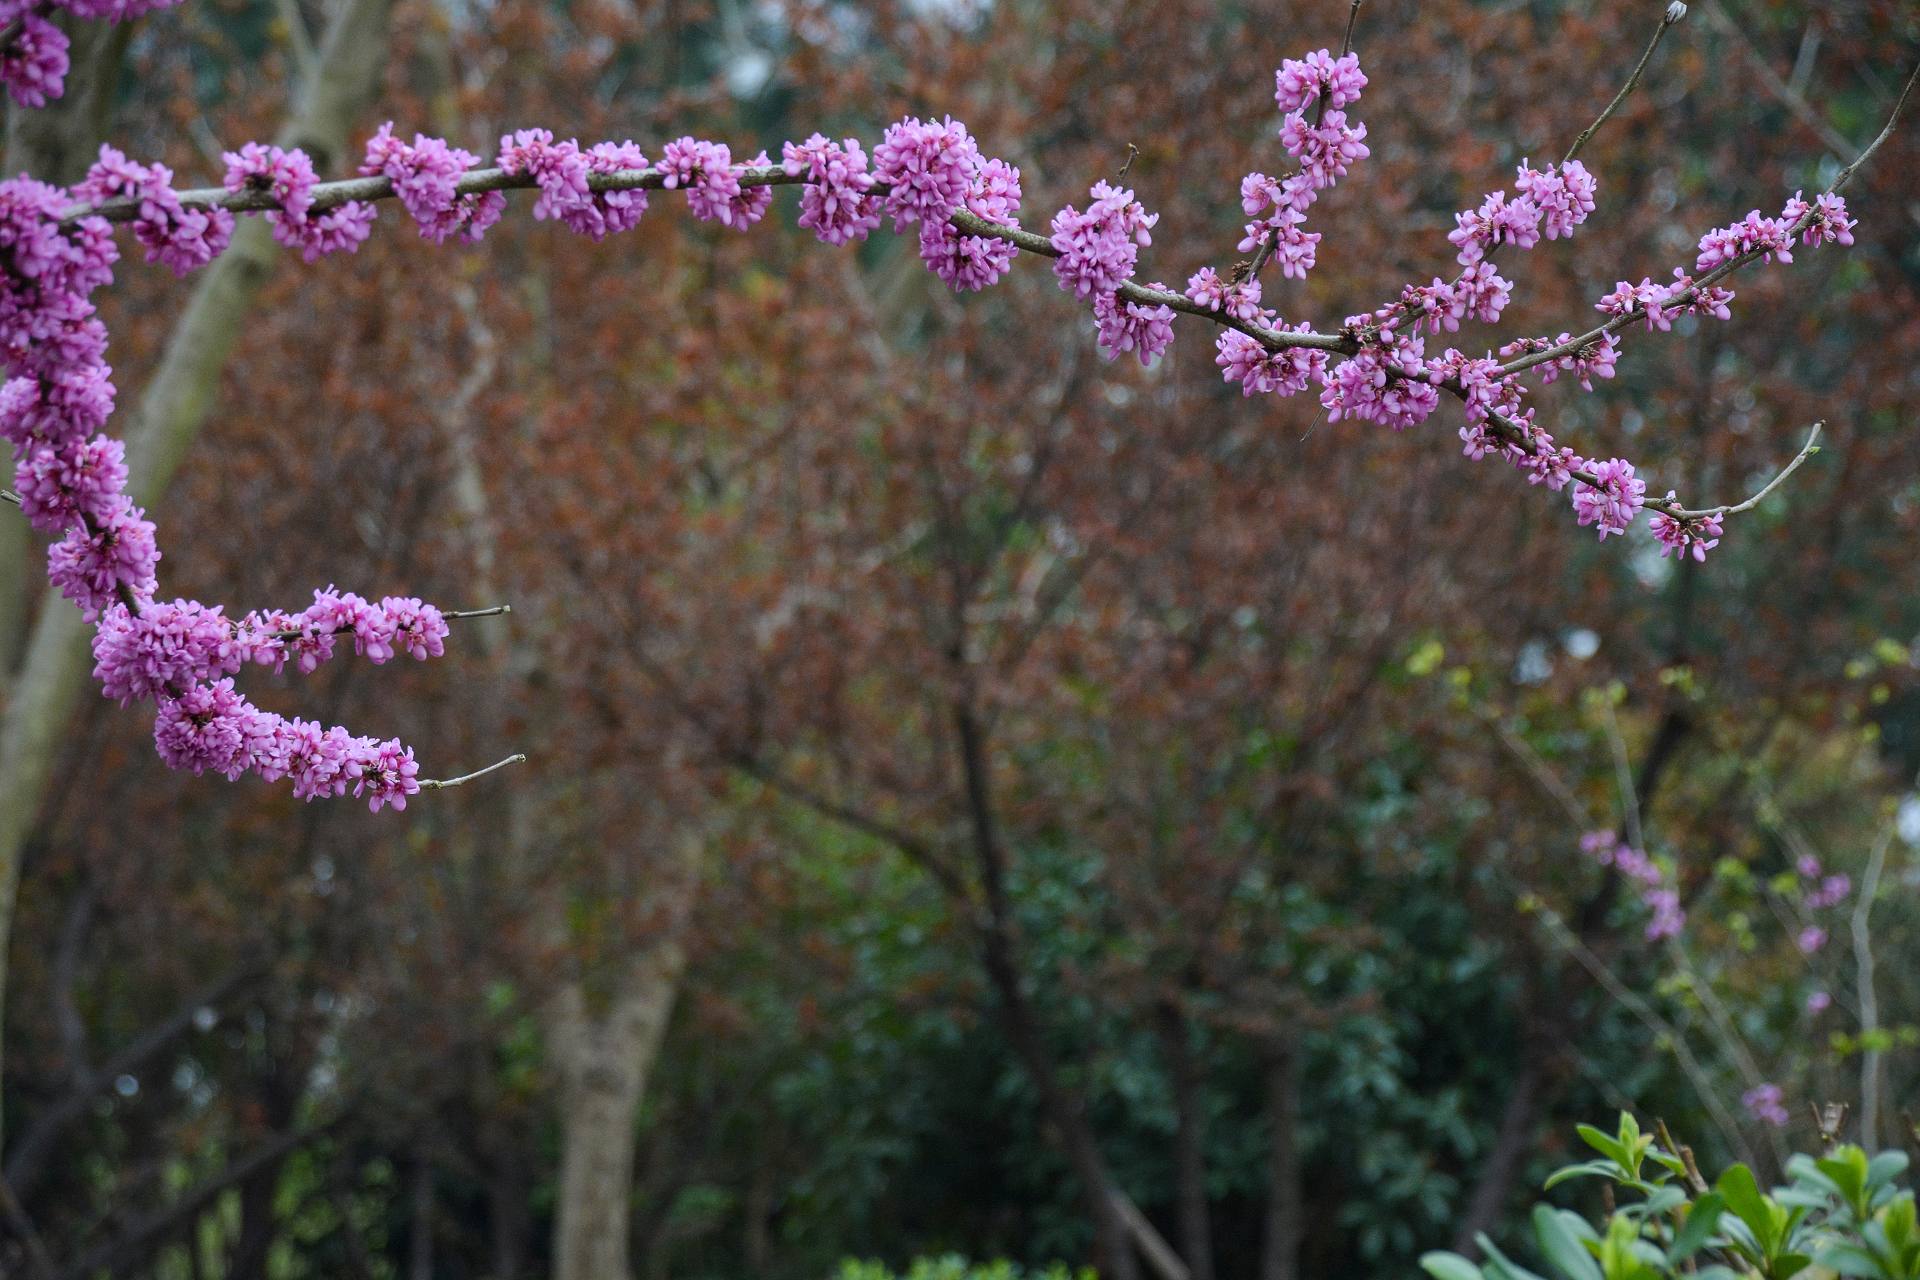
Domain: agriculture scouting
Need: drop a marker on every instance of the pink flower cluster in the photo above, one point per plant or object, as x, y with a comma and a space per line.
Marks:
180, 655
836, 205
34, 66
426, 174
1099, 248
1682, 538
1766, 1103
1752, 238
1552, 201
973, 262
1661, 899
171, 233
289, 178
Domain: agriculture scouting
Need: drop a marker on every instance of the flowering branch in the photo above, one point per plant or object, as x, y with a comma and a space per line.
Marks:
57, 248
1651, 309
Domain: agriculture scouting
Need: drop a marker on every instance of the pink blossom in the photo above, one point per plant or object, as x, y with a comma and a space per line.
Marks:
1300, 82
834, 204
928, 167
1612, 499
1146, 330
1765, 1102
1098, 248
1691, 537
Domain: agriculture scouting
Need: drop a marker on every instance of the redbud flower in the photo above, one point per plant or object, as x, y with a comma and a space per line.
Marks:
1299, 82
1285, 372
1562, 193
1764, 1102
834, 204
425, 174
34, 67
1679, 537
181, 238
1612, 502
1098, 248
61, 485
90, 566
927, 166
1324, 150
208, 727
1145, 330
1667, 919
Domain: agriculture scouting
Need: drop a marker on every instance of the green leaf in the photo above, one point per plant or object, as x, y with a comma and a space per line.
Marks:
1586, 1169
1560, 1246
1852, 1260
1448, 1266
1602, 1143
1885, 1167
1742, 1194
1498, 1265
1701, 1220
1662, 1200
1847, 1167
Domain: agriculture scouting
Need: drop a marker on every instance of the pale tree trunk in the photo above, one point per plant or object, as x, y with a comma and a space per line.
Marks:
177, 403
604, 1040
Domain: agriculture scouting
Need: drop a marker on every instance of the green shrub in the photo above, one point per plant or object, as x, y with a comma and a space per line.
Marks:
1841, 1215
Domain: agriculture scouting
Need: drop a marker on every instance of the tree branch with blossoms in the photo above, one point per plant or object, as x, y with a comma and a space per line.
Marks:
57, 248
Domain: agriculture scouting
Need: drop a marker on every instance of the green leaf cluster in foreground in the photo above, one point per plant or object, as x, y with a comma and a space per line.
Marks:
1843, 1213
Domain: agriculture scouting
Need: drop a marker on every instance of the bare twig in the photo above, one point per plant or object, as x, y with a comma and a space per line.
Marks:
1792, 98
1860, 924
1670, 18
1546, 355
441, 784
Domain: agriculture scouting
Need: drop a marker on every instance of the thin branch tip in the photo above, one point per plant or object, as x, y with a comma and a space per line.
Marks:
440, 784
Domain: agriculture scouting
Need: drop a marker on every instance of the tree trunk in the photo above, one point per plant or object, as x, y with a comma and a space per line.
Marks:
420, 1228
1280, 1244
605, 1043
1501, 1168
1065, 1111
176, 405
1189, 1145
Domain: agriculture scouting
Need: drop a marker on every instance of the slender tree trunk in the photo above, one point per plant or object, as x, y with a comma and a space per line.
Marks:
1501, 1169
508, 1221
1280, 1243
420, 1228
177, 404
1189, 1145
605, 1043
1065, 1111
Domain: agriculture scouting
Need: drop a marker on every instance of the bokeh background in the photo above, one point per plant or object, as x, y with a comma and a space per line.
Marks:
974, 785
